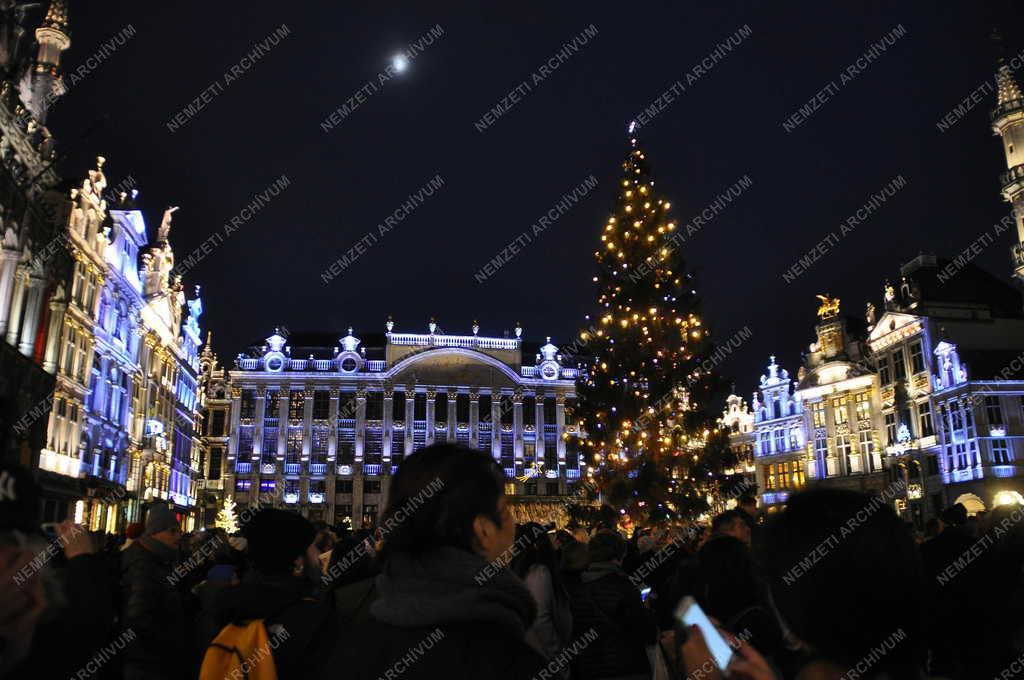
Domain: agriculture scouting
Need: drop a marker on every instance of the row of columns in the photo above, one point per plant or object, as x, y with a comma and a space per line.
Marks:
254, 456
387, 424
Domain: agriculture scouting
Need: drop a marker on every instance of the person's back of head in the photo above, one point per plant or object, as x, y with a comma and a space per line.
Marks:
436, 497
563, 538
722, 521
646, 544
728, 576
747, 503
955, 515
533, 547
846, 578
351, 561
574, 558
731, 523
606, 546
1006, 525
276, 539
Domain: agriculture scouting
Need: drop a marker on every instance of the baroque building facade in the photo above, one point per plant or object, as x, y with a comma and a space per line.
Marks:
32, 260
921, 401
94, 358
319, 425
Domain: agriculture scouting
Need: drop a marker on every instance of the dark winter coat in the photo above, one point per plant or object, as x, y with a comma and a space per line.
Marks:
79, 613
352, 601
606, 601
152, 611
443, 614
309, 624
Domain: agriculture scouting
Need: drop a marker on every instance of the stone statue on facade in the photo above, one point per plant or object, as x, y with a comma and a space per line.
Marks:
165, 225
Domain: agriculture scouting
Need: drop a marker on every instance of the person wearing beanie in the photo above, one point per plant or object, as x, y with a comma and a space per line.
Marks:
152, 605
131, 532
281, 587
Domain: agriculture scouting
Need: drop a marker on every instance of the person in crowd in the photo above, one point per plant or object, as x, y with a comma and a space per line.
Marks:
152, 604
325, 540
280, 589
682, 579
535, 564
561, 538
732, 591
22, 596
950, 599
1006, 527
732, 523
66, 597
131, 534
747, 504
861, 590
218, 578
572, 562
443, 589
351, 577
607, 602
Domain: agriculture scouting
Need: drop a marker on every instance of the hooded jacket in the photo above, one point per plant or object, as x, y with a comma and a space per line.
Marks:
446, 613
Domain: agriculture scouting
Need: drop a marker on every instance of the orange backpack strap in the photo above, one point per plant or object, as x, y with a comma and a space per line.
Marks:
240, 651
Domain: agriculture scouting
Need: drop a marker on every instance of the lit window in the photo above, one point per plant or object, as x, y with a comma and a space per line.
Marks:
916, 357
1000, 452
839, 410
863, 406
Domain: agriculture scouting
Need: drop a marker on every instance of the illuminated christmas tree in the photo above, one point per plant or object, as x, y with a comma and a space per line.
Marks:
654, 449
226, 517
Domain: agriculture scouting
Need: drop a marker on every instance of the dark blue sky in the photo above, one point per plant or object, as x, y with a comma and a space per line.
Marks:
266, 123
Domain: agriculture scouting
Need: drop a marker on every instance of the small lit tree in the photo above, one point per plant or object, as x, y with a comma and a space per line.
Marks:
226, 517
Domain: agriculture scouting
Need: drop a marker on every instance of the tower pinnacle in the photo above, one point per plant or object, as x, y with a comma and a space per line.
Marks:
42, 83
1008, 123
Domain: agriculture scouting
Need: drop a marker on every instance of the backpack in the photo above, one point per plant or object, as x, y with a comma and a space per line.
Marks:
240, 651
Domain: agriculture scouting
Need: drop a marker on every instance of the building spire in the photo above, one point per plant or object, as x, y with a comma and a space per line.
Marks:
1008, 122
57, 17
43, 83
1009, 91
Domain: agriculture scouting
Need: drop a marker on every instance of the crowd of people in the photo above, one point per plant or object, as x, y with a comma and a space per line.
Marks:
834, 586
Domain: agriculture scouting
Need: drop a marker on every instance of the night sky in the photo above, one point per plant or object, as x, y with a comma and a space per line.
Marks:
497, 183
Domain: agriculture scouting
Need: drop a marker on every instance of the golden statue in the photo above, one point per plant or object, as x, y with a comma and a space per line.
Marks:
536, 469
829, 306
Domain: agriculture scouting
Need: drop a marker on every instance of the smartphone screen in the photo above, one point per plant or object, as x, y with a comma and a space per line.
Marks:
689, 613
644, 593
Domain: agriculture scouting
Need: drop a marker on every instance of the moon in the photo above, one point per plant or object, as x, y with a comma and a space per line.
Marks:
399, 63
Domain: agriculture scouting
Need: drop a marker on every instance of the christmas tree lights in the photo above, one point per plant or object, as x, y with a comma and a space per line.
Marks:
652, 443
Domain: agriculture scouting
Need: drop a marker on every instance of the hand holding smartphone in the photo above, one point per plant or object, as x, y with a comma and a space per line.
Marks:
688, 613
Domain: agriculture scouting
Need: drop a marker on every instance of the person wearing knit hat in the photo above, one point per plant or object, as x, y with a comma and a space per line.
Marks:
131, 533
280, 589
151, 604
162, 523
277, 539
